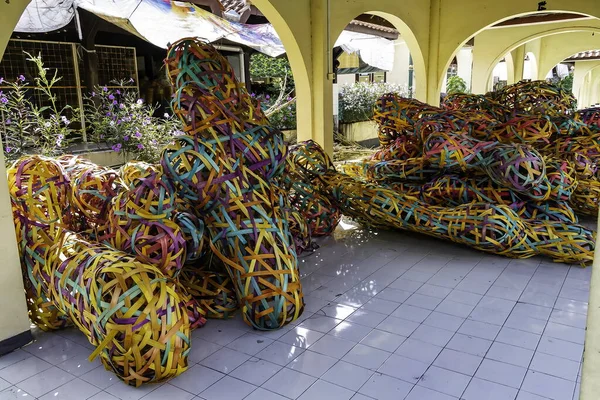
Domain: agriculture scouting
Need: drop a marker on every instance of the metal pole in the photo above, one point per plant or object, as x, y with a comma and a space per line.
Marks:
79, 94
410, 74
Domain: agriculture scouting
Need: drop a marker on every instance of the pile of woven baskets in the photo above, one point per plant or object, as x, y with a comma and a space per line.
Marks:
136, 258
507, 172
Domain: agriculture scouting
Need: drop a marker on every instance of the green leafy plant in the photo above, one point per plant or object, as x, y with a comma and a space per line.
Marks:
565, 83
263, 66
275, 70
124, 121
456, 84
357, 101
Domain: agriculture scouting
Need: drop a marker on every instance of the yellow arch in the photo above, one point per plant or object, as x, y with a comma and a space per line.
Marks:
416, 52
411, 21
453, 35
493, 44
563, 47
540, 35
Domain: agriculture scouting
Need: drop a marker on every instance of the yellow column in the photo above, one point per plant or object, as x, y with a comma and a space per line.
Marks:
14, 322
322, 84
534, 49
518, 56
510, 69
434, 77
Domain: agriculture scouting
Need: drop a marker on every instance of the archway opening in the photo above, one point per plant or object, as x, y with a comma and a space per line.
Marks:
580, 74
494, 41
499, 76
372, 56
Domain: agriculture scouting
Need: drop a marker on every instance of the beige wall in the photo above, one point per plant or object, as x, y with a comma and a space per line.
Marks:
13, 313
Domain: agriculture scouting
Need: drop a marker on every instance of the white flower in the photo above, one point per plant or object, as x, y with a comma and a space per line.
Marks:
166, 115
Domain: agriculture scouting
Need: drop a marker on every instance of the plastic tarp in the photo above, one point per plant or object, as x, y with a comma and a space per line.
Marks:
373, 50
45, 16
161, 22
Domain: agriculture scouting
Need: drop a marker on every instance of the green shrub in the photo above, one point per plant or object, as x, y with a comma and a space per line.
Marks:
276, 70
357, 101
456, 84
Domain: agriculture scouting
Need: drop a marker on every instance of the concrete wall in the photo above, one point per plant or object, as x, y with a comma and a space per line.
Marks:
362, 132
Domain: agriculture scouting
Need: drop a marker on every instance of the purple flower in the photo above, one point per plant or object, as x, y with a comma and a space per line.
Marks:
138, 135
108, 114
267, 97
93, 94
21, 78
114, 102
118, 91
119, 121
105, 89
140, 146
8, 121
111, 97
121, 106
3, 100
117, 147
8, 149
131, 80
126, 138
1, 79
253, 95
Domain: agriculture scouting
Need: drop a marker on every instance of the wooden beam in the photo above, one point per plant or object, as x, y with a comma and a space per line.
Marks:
370, 31
90, 25
374, 19
245, 15
539, 19
214, 5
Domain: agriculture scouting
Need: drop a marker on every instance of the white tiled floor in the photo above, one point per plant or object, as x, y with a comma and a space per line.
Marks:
389, 315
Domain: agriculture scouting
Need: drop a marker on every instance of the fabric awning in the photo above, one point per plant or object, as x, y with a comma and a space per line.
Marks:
161, 22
